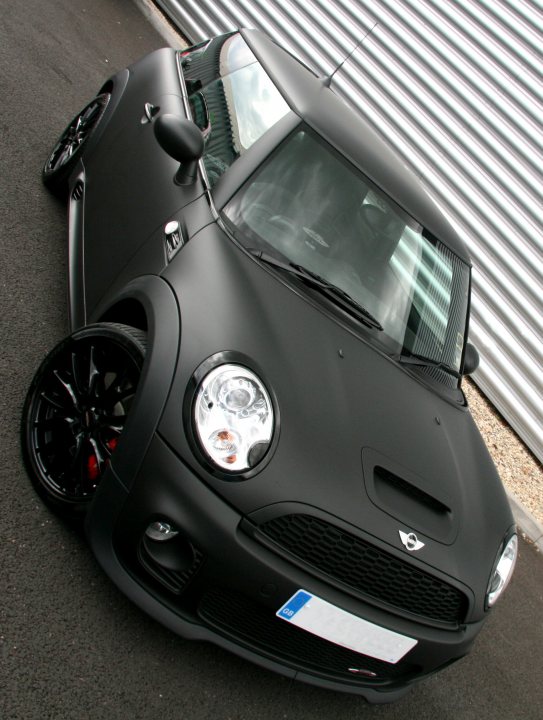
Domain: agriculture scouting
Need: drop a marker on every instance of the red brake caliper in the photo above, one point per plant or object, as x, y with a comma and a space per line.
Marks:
93, 469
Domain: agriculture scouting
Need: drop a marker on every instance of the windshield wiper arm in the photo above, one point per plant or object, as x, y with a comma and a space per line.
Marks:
342, 295
316, 281
422, 361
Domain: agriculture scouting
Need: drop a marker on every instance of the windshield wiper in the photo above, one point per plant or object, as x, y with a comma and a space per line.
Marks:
422, 361
346, 302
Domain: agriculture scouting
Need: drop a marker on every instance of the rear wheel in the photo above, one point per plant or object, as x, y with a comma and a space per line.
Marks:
76, 410
64, 156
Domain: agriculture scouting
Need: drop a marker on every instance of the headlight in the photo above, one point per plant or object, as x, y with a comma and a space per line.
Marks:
233, 418
503, 569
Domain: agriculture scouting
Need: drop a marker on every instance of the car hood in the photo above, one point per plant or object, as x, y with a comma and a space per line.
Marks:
361, 439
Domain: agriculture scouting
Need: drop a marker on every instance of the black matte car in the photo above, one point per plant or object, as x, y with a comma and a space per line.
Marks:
259, 413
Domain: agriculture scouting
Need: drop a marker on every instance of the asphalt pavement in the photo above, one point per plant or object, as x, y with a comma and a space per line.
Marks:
71, 646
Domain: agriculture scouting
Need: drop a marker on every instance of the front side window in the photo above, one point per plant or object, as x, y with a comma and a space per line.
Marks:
236, 107
310, 207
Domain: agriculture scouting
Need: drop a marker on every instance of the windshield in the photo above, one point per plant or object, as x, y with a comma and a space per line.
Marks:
308, 206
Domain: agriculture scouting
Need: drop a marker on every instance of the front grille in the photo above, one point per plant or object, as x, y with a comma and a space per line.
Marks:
256, 627
365, 568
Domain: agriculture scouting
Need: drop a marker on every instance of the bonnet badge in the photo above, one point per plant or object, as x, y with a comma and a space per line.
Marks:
411, 541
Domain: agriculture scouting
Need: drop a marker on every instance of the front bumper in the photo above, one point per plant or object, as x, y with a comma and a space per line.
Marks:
224, 586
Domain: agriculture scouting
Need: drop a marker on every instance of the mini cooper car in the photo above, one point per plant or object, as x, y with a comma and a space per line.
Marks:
259, 413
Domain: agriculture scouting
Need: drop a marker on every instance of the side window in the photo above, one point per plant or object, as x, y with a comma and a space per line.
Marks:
200, 113
233, 113
236, 107
210, 112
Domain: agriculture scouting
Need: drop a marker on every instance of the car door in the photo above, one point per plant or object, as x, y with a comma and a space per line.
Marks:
131, 192
129, 180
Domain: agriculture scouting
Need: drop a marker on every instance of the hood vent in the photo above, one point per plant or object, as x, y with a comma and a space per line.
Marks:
427, 507
389, 483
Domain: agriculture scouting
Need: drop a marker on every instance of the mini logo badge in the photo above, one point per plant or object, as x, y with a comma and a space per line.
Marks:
411, 541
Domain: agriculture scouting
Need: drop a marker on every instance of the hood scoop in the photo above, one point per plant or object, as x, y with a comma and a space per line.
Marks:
409, 499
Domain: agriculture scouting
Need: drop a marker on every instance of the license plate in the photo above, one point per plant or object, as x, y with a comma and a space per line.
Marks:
331, 623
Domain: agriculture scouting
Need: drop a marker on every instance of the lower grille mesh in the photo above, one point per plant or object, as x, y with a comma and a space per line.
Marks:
256, 627
366, 568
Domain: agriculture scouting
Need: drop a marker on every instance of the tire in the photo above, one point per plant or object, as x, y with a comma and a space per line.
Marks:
75, 411
65, 154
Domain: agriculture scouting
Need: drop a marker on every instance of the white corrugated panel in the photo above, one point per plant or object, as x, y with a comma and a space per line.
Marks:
457, 89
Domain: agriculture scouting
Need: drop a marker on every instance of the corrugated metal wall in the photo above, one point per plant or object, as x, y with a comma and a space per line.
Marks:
456, 87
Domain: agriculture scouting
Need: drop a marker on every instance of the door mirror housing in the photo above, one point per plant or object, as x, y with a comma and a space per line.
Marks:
183, 141
471, 360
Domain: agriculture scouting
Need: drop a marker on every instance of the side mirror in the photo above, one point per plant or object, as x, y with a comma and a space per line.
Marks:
471, 360
183, 141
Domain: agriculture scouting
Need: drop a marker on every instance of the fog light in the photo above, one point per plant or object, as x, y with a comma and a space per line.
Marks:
177, 555
160, 530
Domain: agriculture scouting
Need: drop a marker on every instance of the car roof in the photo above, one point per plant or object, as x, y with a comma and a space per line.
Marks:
315, 103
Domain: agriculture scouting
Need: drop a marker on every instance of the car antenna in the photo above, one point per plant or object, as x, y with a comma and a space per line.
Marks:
328, 80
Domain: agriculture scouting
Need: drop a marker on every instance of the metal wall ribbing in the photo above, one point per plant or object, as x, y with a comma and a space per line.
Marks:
456, 87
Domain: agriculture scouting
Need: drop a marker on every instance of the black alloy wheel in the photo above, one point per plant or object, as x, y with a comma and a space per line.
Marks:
64, 156
75, 411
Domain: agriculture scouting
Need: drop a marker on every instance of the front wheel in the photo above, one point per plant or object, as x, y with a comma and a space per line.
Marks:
65, 154
75, 411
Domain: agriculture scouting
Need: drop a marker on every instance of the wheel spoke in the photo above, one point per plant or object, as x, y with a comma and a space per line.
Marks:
66, 154
94, 373
88, 117
122, 394
50, 423
119, 390
115, 423
77, 452
55, 155
101, 453
53, 401
74, 364
105, 450
57, 457
69, 389
77, 469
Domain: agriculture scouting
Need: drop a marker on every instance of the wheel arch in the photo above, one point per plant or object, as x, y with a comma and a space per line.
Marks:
147, 303
107, 87
128, 311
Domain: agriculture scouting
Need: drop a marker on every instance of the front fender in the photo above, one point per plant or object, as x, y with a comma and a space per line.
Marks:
163, 327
